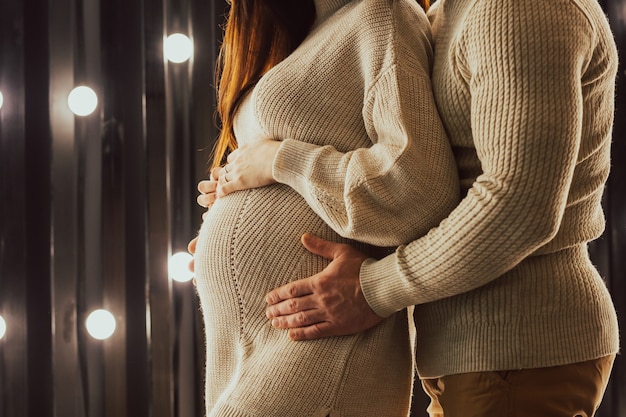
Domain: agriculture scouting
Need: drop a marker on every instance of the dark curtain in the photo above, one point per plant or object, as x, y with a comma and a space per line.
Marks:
92, 207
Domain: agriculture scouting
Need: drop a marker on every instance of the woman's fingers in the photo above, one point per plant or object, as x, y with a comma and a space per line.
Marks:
215, 173
249, 166
229, 181
207, 195
207, 186
191, 247
206, 200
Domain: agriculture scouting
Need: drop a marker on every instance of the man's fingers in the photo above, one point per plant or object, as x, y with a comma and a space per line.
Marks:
291, 290
315, 331
299, 319
291, 306
319, 246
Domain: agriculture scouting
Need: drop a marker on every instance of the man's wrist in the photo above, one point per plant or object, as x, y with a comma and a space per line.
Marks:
376, 277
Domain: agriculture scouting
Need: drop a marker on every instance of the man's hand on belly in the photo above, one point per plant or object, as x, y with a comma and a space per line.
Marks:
330, 303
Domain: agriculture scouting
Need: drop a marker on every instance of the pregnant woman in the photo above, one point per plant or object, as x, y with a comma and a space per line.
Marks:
330, 104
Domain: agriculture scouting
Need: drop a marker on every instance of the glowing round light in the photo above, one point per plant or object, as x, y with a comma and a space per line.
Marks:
1, 99
3, 327
100, 324
178, 48
179, 267
82, 101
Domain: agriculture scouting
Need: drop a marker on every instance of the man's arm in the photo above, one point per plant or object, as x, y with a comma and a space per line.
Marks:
330, 303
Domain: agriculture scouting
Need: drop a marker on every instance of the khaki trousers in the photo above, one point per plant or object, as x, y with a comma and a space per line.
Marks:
573, 390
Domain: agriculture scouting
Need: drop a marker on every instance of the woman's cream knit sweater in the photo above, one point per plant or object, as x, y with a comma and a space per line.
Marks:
364, 146
526, 92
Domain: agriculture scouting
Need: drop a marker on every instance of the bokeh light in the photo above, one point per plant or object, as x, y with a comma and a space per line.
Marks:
178, 267
178, 48
100, 324
82, 101
3, 327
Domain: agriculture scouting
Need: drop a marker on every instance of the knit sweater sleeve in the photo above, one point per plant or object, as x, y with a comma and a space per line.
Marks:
523, 68
401, 186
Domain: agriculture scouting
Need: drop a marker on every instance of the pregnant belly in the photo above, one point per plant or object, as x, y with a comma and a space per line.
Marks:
248, 245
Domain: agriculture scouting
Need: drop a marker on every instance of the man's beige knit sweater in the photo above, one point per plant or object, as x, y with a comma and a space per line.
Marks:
526, 92
368, 155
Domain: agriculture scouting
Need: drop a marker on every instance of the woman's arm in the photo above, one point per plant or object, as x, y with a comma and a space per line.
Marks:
407, 181
386, 195
389, 193
394, 191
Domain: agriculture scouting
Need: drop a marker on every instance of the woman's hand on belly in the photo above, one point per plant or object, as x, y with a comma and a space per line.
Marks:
206, 199
249, 166
208, 189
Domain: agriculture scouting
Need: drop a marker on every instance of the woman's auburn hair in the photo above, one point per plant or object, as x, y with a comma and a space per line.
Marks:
258, 34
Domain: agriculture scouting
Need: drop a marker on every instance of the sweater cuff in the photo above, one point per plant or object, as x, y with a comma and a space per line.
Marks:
290, 162
383, 286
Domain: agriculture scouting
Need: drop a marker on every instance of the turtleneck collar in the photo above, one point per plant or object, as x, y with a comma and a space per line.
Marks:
325, 8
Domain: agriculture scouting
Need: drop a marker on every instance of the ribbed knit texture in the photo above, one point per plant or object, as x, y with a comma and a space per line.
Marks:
364, 158
526, 92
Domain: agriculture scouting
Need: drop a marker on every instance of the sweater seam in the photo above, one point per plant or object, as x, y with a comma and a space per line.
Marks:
234, 270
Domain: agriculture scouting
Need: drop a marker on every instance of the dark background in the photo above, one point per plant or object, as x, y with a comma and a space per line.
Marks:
91, 208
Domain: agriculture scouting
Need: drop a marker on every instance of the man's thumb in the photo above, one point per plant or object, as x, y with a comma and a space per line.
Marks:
319, 246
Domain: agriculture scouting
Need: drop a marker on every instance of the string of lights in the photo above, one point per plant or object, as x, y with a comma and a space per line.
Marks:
83, 102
